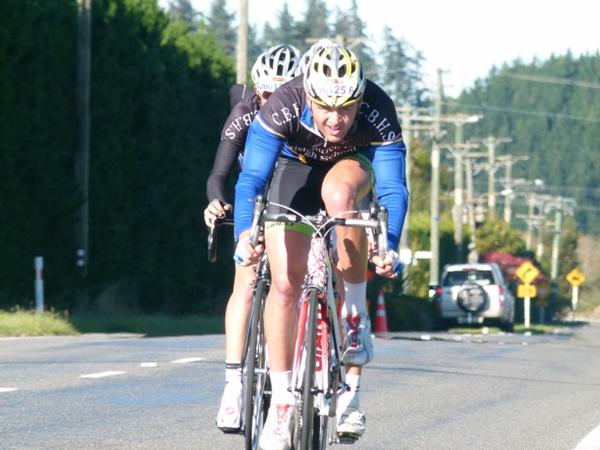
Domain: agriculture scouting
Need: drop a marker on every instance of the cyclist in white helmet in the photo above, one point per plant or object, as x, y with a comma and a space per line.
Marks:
272, 68
322, 139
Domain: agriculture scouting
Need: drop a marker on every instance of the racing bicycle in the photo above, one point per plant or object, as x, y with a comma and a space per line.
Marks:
318, 374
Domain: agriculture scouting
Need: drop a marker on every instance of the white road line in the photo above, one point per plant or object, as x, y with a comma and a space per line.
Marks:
591, 441
187, 360
3, 389
108, 373
149, 364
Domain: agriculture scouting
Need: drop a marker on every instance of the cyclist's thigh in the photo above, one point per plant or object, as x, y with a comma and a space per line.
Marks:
297, 186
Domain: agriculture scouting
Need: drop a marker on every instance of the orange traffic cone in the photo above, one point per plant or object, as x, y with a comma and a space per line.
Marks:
381, 326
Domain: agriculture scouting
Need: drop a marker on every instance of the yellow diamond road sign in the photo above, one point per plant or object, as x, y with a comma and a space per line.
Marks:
575, 277
527, 272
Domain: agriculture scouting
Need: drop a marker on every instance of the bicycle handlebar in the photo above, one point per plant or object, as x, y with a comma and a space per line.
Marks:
377, 221
212, 237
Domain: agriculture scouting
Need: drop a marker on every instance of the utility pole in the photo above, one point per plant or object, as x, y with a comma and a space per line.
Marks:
556, 243
539, 251
491, 143
530, 221
458, 192
434, 269
242, 44
458, 150
407, 136
562, 205
82, 157
473, 256
509, 160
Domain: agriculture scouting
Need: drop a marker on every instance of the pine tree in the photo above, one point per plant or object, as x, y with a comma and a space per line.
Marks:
184, 11
352, 28
401, 75
314, 24
286, 31
220, 23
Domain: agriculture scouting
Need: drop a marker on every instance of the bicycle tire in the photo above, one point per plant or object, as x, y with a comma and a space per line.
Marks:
307, 416
320, 436
255, 402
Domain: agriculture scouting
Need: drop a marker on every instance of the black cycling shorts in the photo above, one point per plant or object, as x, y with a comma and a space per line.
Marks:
297, 185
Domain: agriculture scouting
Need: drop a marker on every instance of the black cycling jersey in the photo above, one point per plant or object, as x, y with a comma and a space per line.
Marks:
285, 128
233, 138
286, 115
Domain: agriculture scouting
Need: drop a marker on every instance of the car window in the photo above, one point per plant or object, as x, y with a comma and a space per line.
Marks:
456, 278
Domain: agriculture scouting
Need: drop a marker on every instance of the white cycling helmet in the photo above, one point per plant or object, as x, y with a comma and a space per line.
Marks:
275, 66
334, 77
306, 56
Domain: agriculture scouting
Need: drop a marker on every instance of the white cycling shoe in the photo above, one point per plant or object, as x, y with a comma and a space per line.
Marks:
229, 418
358, 347
277, 432
351, 420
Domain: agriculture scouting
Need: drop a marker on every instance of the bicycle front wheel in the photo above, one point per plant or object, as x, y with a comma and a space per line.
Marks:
305, 418
255, 400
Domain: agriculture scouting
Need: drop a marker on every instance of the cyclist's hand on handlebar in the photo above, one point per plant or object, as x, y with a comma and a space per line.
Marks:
389, 266
215, 210
245, 255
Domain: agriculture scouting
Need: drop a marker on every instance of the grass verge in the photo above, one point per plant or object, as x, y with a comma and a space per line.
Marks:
28, 323
149, 324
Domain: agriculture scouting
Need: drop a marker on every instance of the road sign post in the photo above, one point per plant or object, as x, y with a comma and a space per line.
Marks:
527, 272
574, 298
575, 278
39, 284
527, 311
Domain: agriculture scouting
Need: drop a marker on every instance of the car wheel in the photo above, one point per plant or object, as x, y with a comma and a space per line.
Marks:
441, 324
507, 327
472, 299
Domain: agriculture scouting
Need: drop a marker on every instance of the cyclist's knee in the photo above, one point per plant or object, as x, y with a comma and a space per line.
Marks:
285, 287
339, 197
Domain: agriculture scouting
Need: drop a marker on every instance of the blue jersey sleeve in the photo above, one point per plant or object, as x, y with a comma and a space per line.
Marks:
390, 185
260, 156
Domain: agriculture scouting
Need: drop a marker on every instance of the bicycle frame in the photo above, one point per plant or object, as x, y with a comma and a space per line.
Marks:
327, 372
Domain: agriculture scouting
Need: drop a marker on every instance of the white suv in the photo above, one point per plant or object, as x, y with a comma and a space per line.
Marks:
474, 293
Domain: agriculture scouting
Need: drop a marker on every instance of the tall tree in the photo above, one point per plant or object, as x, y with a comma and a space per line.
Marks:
401, 74
285, 32
221, 24
184, 11
352, 28
314, 23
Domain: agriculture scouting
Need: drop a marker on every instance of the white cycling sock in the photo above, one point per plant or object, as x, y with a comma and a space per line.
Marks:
233, 372
353, 382
355, 301
280, 382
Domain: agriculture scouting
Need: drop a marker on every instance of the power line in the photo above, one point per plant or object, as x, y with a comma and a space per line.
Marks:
526, 112
563, 81
548, 189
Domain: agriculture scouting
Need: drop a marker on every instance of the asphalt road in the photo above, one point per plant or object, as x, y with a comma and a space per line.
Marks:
437, 391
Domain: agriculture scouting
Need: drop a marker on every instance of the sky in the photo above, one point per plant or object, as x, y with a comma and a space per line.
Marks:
464, 38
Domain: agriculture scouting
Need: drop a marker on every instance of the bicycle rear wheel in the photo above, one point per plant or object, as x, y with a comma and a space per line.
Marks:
305, 418
256, 403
